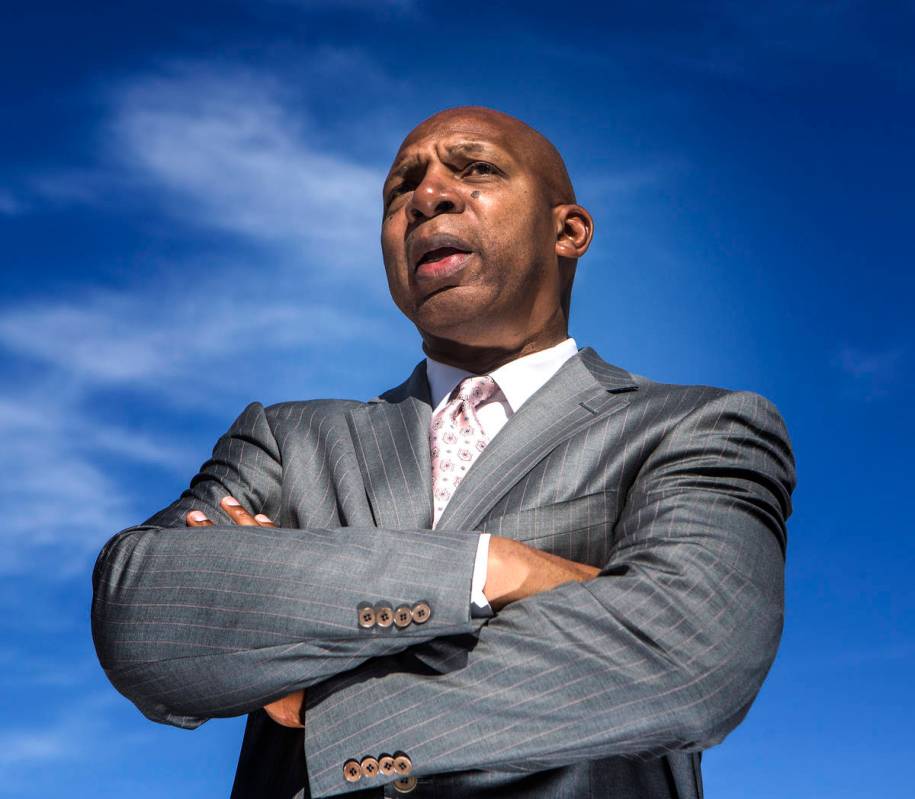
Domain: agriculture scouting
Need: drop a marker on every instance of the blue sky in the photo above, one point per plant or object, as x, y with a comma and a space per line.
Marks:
189, 210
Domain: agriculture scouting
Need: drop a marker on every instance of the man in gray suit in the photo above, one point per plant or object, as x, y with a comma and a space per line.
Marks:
580, 614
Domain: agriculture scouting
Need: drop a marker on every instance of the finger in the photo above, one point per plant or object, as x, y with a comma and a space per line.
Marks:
283, 718
264, 520
237, 513
282, 713
288, 711
197, 518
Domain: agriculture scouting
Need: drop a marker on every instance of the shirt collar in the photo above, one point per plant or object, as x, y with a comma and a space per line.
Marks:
518, 379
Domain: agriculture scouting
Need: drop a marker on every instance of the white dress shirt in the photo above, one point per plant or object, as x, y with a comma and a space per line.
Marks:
517, 381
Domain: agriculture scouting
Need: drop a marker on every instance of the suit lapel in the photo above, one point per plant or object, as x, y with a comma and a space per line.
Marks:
391, 439
584, 391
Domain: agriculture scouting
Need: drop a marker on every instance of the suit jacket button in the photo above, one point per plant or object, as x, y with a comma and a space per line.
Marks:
384, 616
369, 767
403, 616
386, 765
421, 612
352, 771
366, 616
403, 765
404, 784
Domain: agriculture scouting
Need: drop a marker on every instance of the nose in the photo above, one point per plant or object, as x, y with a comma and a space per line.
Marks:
436, 194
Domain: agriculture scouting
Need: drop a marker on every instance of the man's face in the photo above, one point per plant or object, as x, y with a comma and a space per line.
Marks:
468, 235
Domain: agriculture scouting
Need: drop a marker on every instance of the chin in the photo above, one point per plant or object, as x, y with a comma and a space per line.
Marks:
448, 306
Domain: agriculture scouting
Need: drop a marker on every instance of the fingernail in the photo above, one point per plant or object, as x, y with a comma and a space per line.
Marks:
197, 516
262, 518
230, 501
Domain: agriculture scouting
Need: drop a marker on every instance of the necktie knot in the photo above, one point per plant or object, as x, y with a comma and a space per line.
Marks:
475, 390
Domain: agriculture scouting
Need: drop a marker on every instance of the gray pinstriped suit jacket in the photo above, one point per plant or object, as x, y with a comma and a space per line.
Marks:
609, 688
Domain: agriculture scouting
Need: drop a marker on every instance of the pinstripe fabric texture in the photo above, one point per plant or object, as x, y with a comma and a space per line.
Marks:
606, 688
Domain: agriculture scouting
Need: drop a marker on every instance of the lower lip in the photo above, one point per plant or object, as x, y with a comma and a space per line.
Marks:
444, 267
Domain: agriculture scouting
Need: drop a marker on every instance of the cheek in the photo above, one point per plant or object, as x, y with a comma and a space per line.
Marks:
395, 269
392, 244
511, 233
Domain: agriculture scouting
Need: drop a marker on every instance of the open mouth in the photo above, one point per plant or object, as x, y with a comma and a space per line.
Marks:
429, 253
441, 263
440, 254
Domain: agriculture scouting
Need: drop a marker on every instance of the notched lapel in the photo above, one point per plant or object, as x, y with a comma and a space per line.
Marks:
391, 439
584, 391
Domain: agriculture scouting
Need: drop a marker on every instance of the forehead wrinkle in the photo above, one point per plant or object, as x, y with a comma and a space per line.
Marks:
524, 144
513, 139
476, 147
472, 146
466, 146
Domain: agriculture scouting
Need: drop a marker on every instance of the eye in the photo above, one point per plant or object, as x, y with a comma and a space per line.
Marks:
397, 191
480, 168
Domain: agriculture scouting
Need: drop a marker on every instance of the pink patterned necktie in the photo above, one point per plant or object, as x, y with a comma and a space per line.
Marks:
456, 438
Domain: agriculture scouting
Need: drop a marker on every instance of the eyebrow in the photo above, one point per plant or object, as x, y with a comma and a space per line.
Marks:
469, 147
402, 166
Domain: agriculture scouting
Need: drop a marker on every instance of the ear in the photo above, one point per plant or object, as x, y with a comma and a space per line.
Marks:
574, 230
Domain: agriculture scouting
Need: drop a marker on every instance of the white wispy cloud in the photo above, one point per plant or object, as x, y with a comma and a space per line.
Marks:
10, 205
69, 186
19, 746
158, 333
227, 150
871, 372
610, 189
65, 487
28, 671
80, 729
60, 503
858, 362
218, 147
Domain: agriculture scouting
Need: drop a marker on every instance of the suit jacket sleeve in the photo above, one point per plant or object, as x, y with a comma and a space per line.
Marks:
665, 650
192, 623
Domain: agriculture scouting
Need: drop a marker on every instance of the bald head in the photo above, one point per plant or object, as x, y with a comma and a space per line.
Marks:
538, 153
480, 235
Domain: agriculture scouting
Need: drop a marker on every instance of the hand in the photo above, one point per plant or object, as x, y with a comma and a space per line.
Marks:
515, 571
197, 518
290, 710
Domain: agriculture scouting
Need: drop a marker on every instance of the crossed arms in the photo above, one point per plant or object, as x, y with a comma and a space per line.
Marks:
664, 649
515, 571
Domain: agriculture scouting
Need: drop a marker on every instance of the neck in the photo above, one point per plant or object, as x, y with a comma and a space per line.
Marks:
481, 359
